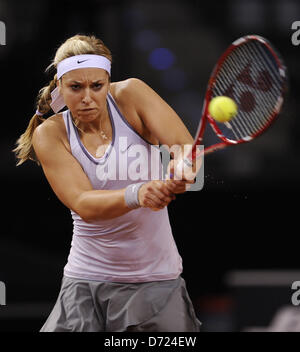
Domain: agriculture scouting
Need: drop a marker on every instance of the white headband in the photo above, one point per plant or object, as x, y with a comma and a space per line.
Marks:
82, 61
75, 63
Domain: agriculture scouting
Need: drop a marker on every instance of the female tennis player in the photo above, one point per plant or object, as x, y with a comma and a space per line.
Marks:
123, 271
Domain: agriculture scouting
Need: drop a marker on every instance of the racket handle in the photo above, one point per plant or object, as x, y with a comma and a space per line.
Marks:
185, 165
182, 168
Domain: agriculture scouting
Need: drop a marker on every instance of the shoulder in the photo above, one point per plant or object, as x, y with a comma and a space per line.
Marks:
52, 126
130, 90
51, 130
126, 85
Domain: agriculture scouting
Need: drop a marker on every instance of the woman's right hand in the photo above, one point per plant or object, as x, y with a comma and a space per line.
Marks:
155, 195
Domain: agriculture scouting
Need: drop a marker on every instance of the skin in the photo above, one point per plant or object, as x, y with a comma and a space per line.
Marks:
84, 92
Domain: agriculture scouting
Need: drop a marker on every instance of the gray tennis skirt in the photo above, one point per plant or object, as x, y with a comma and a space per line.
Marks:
160, 306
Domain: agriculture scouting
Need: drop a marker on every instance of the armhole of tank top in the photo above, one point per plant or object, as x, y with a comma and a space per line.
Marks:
113, 102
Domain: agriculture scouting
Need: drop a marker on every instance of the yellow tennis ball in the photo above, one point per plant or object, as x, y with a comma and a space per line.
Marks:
222, 108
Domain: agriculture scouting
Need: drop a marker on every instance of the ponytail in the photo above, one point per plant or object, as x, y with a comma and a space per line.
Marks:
24, 149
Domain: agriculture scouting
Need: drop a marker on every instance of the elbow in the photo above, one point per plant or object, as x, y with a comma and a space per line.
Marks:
90, 216
83, 208
89, 213
87, 217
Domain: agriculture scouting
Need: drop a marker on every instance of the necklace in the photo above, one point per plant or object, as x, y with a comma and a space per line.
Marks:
102, 134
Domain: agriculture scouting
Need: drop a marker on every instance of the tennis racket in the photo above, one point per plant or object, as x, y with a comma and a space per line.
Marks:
251, 73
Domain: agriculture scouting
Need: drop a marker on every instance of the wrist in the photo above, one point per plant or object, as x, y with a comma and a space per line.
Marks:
132, 195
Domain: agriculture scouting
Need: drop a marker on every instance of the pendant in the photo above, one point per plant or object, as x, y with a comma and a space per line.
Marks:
103, 135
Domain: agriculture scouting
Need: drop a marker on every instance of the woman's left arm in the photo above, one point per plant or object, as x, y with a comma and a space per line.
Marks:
158, 117
162, 121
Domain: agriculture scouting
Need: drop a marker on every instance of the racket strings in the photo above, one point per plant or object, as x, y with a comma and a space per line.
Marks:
272, 67
246, 126
251, 77
240, 127
224, 88
266, 81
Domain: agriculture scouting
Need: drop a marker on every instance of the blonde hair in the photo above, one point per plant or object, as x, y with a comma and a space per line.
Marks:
76, 45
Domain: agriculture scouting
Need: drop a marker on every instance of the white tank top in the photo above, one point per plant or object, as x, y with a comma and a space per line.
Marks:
135, 247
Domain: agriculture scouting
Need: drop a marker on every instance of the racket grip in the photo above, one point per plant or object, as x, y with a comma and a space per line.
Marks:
179, 171
182, 169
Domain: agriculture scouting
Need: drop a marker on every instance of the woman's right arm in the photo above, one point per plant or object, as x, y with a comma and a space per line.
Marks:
72, 186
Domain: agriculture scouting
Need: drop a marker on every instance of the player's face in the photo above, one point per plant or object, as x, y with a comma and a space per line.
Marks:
84, 92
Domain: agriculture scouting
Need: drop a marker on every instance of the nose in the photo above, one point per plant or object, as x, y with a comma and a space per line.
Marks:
86, 98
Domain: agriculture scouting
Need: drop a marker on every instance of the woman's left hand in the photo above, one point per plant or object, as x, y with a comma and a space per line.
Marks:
174, 185
177, 186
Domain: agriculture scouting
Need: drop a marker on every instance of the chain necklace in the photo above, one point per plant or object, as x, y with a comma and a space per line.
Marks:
102, 134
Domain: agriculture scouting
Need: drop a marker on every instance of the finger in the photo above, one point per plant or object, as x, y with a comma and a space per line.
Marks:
152, 202
177, 187
171, 188
167, 189
168, 192
159, 198
189, 181
185, 180
148, 203
160, 187
174, 184
162, 199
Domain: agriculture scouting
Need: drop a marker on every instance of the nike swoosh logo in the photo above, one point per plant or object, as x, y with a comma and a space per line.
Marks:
80, 62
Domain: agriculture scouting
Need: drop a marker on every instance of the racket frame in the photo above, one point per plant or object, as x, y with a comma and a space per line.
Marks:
208, 96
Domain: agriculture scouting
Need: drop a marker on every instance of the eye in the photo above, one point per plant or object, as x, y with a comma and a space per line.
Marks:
75, 86
97, 86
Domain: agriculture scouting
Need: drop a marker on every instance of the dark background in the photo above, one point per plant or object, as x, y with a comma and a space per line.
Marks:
245, 218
